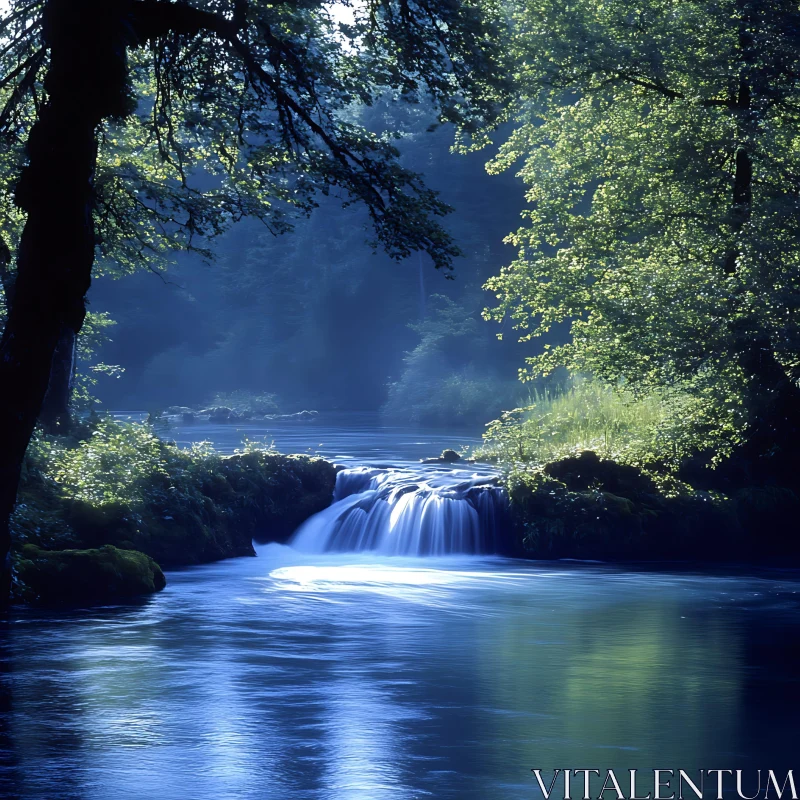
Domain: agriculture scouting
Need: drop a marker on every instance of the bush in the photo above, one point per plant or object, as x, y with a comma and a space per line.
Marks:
122, 486
116, 464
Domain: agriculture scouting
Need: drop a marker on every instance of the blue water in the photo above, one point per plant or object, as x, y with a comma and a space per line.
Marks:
358, 677
348, 439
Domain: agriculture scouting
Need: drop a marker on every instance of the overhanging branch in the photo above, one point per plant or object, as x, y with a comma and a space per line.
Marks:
156, 19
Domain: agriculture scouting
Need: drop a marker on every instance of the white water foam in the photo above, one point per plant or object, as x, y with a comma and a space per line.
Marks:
409, 512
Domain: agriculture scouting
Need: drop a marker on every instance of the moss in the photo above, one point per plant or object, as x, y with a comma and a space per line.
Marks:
85, 577
190, 508
274, 494
597, 509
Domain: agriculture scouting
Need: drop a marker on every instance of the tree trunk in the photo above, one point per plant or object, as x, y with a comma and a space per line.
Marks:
85, 83
772, 396
772, 449
55, 415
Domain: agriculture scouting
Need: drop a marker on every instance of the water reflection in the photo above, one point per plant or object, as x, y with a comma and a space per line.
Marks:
348, 679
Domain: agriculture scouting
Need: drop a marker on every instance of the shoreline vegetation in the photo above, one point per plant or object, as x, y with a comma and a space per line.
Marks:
591, 473
102, 511
595, 472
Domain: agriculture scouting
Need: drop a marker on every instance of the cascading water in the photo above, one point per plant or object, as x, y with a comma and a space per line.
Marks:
409, 512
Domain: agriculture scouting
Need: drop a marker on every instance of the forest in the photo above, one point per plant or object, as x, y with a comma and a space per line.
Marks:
399, 398
255, 208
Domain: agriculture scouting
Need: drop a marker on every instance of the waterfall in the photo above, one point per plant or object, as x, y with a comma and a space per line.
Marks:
409, 512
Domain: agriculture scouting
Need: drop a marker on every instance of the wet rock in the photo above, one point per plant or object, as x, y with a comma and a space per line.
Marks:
220, 414
86, 577
447, 457
172, 411
299, 415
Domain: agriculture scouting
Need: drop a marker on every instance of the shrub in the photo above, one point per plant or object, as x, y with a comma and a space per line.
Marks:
118, 462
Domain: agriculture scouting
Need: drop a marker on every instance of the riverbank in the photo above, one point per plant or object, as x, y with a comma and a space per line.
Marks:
585, 507
101, 513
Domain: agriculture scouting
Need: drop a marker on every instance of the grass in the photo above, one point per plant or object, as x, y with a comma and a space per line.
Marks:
587, 415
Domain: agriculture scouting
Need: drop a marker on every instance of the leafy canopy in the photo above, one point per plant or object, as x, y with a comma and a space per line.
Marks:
243, 108
659, 140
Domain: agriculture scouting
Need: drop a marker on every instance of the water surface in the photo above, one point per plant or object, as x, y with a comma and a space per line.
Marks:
347, 438
344, 678
358, 677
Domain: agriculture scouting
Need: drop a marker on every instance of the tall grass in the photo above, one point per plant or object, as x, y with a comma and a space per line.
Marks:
586, 415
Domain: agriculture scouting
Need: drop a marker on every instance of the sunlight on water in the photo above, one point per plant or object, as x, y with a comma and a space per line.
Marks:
412, 583
357, 677
366, 575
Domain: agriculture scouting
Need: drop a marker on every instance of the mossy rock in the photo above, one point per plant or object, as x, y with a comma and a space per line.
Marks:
570, 510
216, 514
276, 493
587, 470
447, 457
552, 522
85, 577
191, 509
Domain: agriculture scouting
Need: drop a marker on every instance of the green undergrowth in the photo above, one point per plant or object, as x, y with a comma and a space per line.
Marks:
85, 577
592, 472
119, 485
587, 415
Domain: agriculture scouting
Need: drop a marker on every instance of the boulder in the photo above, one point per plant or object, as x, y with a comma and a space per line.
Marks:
447, 457
86, 577
172, 411
299, 415
220, 414
588, 471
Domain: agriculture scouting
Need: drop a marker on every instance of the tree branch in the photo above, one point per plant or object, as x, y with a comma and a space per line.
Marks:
155, 19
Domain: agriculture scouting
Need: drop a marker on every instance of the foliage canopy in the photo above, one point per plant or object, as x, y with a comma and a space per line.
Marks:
659, 141
243, 108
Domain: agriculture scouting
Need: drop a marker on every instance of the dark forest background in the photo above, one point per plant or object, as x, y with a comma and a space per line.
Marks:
320, 319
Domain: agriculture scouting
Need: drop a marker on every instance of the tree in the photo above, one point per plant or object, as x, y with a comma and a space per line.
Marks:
659, 141
230, 109
316, 317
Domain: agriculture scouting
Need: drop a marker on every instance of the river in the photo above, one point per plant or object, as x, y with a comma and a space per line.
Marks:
354, 676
